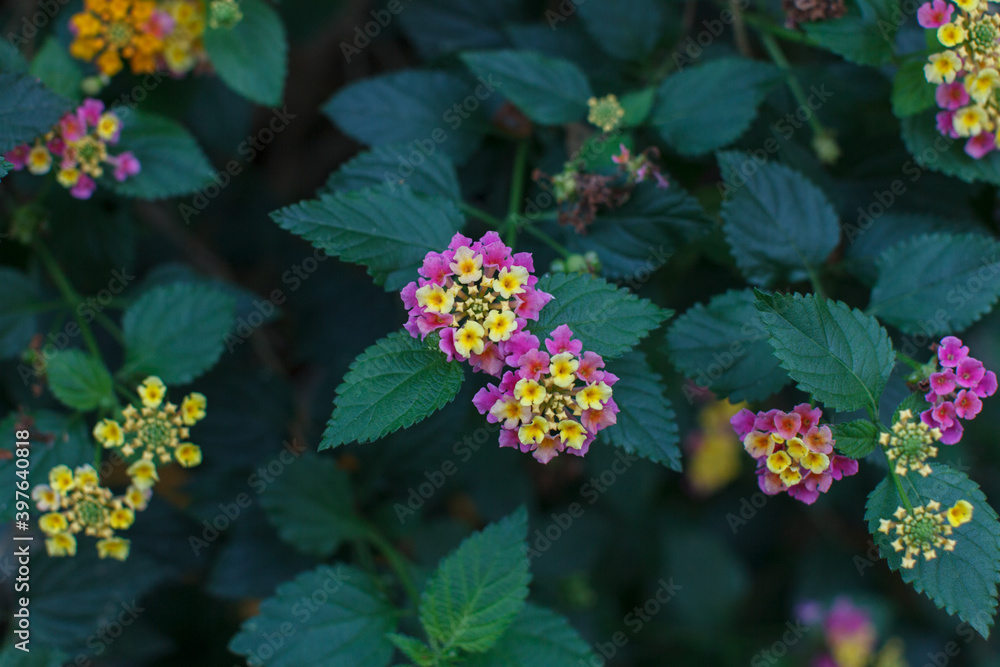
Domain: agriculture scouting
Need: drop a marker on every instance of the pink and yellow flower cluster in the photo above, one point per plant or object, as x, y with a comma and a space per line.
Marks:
956, 390
966, 72
77, 147
554, 401
794, 453
476, 295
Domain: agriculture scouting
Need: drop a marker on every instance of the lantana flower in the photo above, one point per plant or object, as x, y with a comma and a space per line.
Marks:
794, 453
605, 112
75, 502
925, 530
110, 31
183, 45
556, 400
476, 295
910, 444
956, 390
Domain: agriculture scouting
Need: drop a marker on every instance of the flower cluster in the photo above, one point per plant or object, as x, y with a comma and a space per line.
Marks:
956, 390
476, 295
554, 400
850, 635
155, 433
606, 113
966, 72
909, 445
640, 167
75, 502
149, 34
793, 452
80, 143
925, 529
713, 451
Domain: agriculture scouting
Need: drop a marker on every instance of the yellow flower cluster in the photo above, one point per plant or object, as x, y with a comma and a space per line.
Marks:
925, 529
714, 451
606, 113
910, 444
75, 502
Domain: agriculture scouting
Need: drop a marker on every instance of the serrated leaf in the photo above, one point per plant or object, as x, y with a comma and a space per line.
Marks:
413, 648
625, 29
866, 37
934, 151
915, 403
176, 332
937, 283
911, 93
18, 321
79, 380
310, 505
57, 69
479, 589
394, 165
836, 353
964, 581
27, 109
857, 438
703, 108
646, 424
388, 231
723, 346
172, 163
610, 321
636, 239
779, 225
251, 56
412, 107
348, 629
550, 91
536, 637
393, 384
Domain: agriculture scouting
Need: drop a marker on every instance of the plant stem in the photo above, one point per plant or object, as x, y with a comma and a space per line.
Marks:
773, 50
396, 561
109, 326
474, 212
814, 281
899, 489
548, 240
912, 363
516, 191
70, 295
765, 25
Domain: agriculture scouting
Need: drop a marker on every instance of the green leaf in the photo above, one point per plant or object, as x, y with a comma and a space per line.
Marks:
964, 581
550, 91
857, 438
393, 384
646, 424
176, 332
915, 403
387, 230
413, 648
536, 637
346, 629
54, 441
251, 56
311, 506
866, 37
636, 239
626, 29
171, 160
934, 151
412, 107
397, 164
57, 69
723, 346
18, 295
779, 225
911, 93
27, 109
937, 283
836, 353
701, 109
479, 589
610, 321
39, 656
637, 105
80, 381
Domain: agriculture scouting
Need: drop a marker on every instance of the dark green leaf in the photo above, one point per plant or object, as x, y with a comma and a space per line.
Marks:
935, 151
866, 37
915, 403
251, 56
536, 637
397, 164
413, 648
911, 93
18, 323
626, 29
27, 109
79, 380
857, 438
57, 69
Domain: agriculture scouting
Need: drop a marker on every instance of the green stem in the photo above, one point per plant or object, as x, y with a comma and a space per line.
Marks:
765, 25
109, 326
548, 240
474, 212
912, 363
396, 561
126, 393
814, 281
516, 191
899, 488
70, 295
773, 50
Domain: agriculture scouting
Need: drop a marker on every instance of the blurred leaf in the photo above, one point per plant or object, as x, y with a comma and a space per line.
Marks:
251, 56
433, 174
57, 70
610, 321
866, 37
777, 223
911, 93
964, 581
27, 109
857, 438
637, 105
723, 346
839, 355
937, 283
414, 649
925, 144
38, 656
646, 422
393, 384
347, 628
18, 295
412, 107
703, 108
388, 229
479, 589
536, 637
440, 27
79, 380
550, 91
176, 332
626, 29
